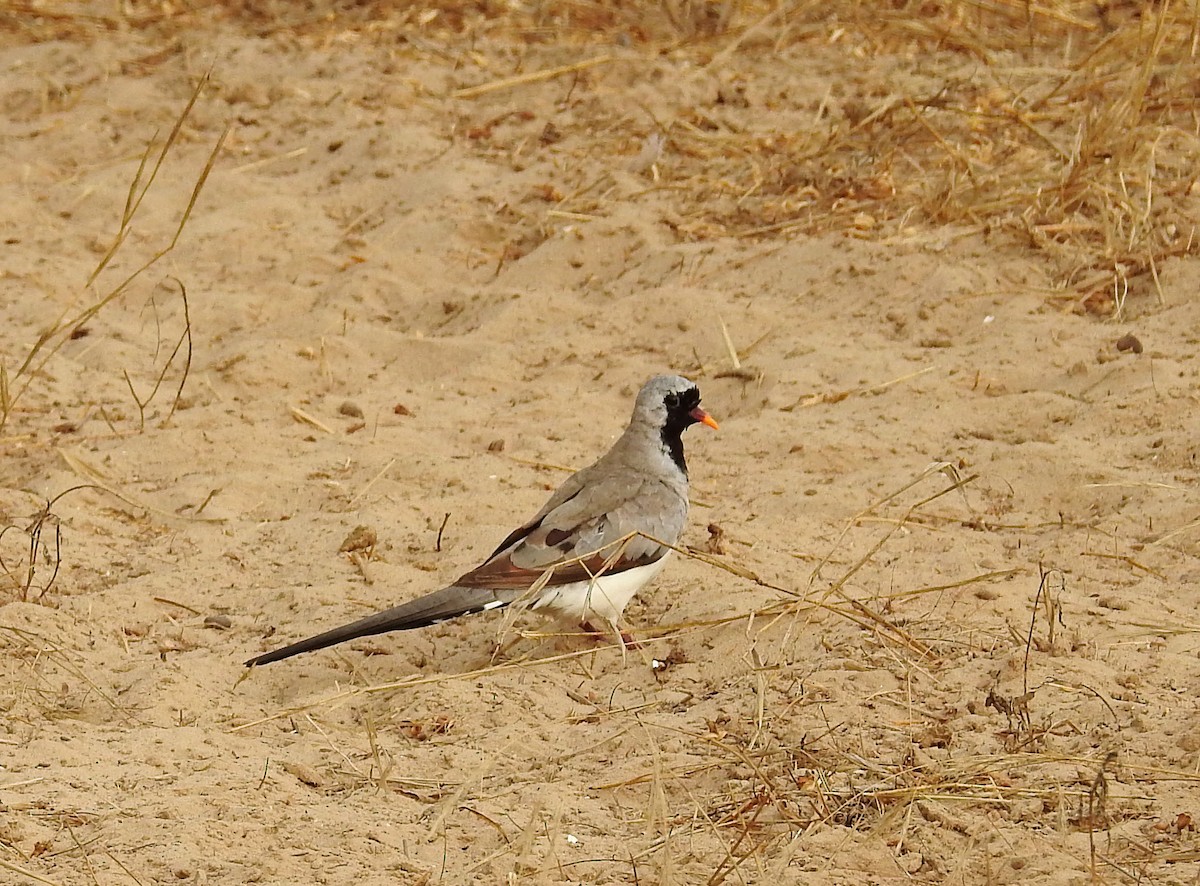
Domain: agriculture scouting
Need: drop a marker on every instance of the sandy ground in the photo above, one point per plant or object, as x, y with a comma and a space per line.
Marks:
409, 309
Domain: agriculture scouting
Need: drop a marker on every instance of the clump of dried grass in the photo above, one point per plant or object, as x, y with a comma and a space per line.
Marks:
1072, 132
753, 788
39, 543
15, 382
1066, 125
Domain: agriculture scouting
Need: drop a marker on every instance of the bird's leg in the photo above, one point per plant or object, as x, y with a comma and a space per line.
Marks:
626, 639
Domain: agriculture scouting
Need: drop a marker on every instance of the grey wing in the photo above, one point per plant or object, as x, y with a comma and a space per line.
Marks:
597, 520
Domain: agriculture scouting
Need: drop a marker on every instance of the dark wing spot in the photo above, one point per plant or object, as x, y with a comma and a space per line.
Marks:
556, 536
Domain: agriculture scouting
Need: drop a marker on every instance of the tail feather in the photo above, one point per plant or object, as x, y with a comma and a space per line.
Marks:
439, 606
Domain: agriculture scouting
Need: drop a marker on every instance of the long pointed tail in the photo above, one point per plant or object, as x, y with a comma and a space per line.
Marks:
439, 606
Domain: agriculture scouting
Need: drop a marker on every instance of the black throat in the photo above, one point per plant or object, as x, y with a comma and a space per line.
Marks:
679, 419
672, 438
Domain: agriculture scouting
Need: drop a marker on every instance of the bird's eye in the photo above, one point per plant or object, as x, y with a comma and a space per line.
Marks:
671, 400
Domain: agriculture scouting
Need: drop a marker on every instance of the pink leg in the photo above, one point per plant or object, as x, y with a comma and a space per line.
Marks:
626, 637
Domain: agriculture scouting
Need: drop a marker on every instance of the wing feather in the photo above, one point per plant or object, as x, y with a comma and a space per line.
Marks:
586, 535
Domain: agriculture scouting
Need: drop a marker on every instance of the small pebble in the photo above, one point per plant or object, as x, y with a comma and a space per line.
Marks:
351, 409
220, 622
1129, 342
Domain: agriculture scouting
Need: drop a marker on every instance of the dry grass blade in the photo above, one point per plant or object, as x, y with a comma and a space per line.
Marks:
760, 27
809, 400
1053, 617
936, 467
6, 402
836, 588
133, 199
1125, 558
531, 77
1175, 533
121, 287
130, 874
187, 360
81, 848
379, 477
1166, 630
185, 337
307, 418
138, 190
1097, 807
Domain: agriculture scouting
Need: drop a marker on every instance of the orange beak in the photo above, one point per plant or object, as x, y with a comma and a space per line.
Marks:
704, 418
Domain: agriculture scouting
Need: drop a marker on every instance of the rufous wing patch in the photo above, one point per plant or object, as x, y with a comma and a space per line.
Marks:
502, 574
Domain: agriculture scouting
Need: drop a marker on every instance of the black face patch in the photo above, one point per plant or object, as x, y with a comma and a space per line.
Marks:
682, 402
679, 406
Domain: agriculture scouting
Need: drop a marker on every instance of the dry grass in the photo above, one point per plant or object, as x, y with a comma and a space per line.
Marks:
15, 382
750, 789
1060, 131
1054, 136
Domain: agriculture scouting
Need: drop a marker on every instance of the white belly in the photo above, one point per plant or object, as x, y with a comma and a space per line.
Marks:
604, 597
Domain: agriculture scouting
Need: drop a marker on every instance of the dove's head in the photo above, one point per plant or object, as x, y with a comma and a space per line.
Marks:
670, 403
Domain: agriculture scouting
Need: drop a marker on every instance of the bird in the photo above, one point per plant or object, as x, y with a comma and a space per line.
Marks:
604, 533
